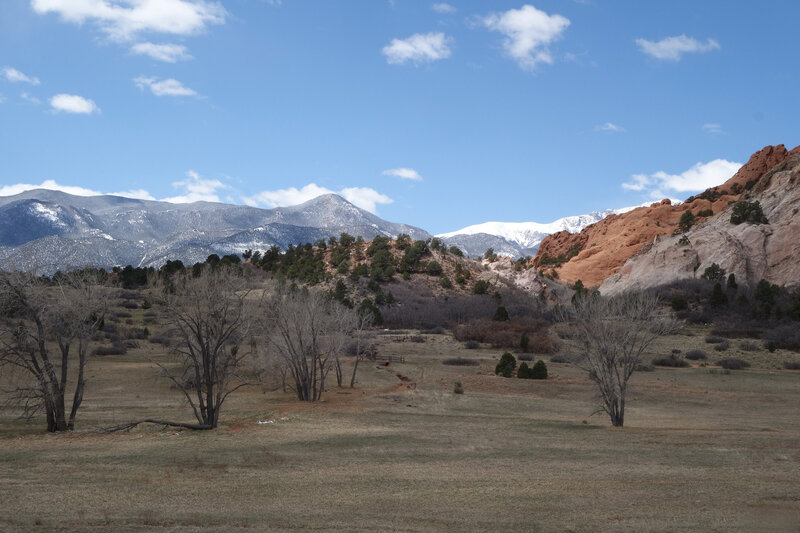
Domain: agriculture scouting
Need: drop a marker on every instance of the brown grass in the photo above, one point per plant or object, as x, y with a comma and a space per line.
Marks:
699, 452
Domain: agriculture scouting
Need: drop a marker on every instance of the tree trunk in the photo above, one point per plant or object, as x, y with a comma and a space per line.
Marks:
338, 367
355, 369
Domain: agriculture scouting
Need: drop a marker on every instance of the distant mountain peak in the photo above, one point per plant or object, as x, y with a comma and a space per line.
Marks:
46, 230
523, 238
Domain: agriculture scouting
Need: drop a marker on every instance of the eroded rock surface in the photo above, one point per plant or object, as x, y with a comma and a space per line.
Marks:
603, 248
750, 251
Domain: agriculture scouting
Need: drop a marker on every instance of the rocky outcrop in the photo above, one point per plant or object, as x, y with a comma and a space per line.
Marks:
600, 250
750, 251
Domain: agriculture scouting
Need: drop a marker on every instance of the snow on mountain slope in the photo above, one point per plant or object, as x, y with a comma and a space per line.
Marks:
530, 234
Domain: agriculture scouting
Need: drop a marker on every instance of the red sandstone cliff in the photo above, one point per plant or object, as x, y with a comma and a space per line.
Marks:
604, 247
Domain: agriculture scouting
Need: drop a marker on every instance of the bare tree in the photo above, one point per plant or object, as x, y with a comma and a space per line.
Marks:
37, 313
212, 322
615, 333
308, 331
363, 323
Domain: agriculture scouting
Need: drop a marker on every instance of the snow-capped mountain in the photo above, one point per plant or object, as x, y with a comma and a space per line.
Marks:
46, 230
518, 239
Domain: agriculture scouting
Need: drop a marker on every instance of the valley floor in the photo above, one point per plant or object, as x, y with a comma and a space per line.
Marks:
699, 452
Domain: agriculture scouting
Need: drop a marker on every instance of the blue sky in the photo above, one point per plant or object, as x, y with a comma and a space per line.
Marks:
435, 114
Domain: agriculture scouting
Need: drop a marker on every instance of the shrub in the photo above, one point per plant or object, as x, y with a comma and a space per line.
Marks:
679, 303
160, 339
718, 297
438, 330
644, 367
458, 388
696, 355
506, 335
732, 363
135, 333
129, 304
445, 283
791, 365
711, 339
748, 346
786, 337
523, 372
114, 349
560, 358
771, 346
524, 342
525, 357
670, 361
506, 365
751, 212
500, 314
722, 346
686, 221
460, 361
714, 273
481, 287
539, 370
417, 338
472, 345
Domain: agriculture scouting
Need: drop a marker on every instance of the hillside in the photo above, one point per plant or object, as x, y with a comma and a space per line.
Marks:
600, 250
752, 250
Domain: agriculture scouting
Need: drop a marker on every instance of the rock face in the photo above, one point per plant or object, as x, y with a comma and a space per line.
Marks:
750, 251
603, 248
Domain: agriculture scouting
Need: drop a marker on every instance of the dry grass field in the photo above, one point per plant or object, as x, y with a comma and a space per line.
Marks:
700, 451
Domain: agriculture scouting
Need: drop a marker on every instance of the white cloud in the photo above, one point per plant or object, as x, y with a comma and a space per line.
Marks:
169, 53
362, 197
610, 127
365, 198
419, 48
671, 48
699, 177
72, 103
15, 76
123, 20
137, 194
197, 189
29, 98
404, 173
528, 33
442, 7
168, 87
10, 190
712, 128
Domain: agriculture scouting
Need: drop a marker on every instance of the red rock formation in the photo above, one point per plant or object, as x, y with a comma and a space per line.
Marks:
606, 245
751, 252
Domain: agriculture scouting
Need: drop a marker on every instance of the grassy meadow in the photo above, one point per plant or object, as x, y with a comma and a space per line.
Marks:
700, 451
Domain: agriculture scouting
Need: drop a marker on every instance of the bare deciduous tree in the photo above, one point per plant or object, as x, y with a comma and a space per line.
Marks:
308, 331
37, 313
363, 323
212, 323
615, 333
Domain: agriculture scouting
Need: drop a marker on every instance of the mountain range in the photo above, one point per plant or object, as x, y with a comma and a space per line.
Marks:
46, 230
